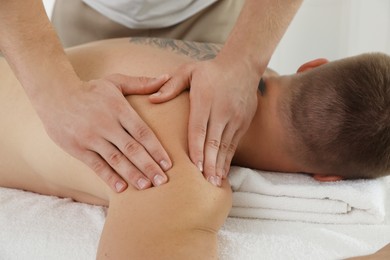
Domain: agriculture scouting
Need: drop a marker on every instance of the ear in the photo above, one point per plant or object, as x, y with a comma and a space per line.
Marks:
312, 64
327, 178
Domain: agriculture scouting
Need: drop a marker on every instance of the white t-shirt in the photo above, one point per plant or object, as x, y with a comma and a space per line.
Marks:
148, 14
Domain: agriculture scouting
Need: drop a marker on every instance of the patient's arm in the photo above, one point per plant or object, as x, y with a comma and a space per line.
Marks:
178, 220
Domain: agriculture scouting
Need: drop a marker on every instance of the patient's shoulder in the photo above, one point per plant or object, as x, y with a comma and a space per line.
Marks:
204, 205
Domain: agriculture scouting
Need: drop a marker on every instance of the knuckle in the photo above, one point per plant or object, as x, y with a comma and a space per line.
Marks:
115, 158
199, 154
196, 155
93, 84
209, 169
200, 130
132, 148
143, 81
99, 167
213, 143
142, 132
150, 168
224, 146
111, 179
86, 135
232, 148
168, 85
133, 175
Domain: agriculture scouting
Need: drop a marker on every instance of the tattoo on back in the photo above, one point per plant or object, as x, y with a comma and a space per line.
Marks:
195, 50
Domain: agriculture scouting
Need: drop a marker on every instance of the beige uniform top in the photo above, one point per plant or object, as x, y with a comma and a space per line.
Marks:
148, 14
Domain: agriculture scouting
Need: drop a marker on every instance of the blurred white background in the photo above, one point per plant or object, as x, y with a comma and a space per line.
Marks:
330, 29
333, 29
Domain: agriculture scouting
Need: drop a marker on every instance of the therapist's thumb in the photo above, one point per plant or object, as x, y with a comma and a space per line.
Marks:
171, 89
137, 85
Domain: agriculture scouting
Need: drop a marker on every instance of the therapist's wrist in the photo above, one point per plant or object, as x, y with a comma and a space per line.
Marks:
248, 66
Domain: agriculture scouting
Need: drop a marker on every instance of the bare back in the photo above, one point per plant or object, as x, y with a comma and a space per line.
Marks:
27, 149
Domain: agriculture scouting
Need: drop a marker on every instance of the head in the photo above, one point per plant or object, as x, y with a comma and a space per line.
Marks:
336, 116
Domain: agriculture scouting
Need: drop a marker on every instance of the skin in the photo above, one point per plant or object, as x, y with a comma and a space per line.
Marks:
33, 51
119, 147
182, 216
223, 90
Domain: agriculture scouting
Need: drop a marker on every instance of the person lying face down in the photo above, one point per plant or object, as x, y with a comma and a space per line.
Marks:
329, 119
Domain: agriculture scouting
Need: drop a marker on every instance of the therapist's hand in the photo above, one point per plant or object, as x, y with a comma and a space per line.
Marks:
223, 102
95, 123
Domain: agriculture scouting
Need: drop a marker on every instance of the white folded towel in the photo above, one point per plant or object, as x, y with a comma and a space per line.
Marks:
299, 197
40, 227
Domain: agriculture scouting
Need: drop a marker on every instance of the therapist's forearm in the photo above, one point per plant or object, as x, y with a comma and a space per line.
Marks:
32, 48
258, 30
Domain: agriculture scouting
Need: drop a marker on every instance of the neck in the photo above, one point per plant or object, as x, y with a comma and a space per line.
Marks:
262, 146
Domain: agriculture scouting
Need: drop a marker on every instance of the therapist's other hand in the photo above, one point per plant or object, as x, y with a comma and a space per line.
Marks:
94, 123
223, 102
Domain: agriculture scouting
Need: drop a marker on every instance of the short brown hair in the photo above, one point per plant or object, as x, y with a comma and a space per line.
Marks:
340, 116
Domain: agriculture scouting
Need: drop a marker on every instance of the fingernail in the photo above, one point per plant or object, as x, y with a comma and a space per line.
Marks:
220, 173
158, 93
158, 180
165, 165
159, 78
219, 181
200, 166
119, 186
215, 180
142, 183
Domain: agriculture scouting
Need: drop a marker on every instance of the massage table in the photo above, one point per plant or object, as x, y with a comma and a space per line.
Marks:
41, 227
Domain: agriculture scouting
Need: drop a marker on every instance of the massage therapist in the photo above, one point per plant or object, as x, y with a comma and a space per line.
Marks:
92, 121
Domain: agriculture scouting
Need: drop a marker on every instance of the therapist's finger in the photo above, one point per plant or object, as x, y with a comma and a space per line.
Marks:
179, 82
145, 151
103, 170
132, 153
137, 85
231, 151
118, 162
197, 130
212, 146
227, 146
